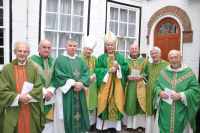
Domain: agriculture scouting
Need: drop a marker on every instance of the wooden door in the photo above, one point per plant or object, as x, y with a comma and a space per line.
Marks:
167, 36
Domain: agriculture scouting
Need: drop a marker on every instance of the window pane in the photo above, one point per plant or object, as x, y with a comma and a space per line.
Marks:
1, 17
53, 53
114, 27
132, 16
52, 5
63, 37
65, 6
1, 37
122, 52
121, 45
161, 31
131, 30
61, 51
127, 54
1, 2
65, 22
167, 25
78, 52
1, 56
113, 13
129, 41
123, 15
52, 37
77, 24
78, 7
51, 21
122, 29
78, 38
173, 29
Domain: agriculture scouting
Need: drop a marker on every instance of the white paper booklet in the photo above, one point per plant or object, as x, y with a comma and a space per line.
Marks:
27, 87
135, 73
169, 93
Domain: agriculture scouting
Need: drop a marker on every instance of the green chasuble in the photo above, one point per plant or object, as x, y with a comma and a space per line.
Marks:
132, 104
114, 110
154, 72
173, 118
76, 119
45, 68
8, 94
91, 93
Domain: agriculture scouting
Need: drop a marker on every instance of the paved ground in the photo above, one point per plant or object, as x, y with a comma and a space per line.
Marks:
123, 131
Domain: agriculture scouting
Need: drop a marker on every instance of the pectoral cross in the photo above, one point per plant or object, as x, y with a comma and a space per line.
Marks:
77, 116
76, 73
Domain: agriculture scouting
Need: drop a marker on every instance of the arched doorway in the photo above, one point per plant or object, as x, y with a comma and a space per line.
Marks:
167, 36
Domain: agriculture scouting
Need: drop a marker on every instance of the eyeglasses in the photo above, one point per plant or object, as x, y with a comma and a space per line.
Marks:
22, 51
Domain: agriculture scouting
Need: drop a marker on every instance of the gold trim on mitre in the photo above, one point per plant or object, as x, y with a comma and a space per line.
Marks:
110, 37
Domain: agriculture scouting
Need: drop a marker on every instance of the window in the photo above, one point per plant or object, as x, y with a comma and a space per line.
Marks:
4, 32
123, 21
167, 27
64, 19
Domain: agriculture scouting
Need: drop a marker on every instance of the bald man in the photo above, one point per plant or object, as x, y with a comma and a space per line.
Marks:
135, 103
178, 83
45, 66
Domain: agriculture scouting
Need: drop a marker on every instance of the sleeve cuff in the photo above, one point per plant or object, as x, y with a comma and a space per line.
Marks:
119, 72
16, 101
51, 89
105, 79
67, 86
183, 98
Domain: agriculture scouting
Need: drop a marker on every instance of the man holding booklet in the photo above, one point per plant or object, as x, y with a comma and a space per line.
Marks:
45, 66
21, 94
135, 103
179, 90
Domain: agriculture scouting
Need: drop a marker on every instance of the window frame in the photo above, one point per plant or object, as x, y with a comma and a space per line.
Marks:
6, 29
43, 23
127, 7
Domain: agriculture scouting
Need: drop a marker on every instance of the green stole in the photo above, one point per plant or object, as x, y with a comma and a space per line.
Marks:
8, 94
75, 112
45, 68
91, 93
154, 72
114, 110
173, 118
132, 104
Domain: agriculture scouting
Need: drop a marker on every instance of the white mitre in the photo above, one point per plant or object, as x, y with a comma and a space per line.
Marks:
110, 37
90, 41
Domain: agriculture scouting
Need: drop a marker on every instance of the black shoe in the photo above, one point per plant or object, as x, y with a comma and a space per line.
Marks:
92, 128
113, 130
140, 129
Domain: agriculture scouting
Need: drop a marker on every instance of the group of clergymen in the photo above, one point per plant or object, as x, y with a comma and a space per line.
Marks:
73, 92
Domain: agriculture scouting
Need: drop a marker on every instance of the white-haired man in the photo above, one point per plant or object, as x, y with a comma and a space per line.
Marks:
21, 94
154, 69
91, 93
45, 66
111, 69
176, 97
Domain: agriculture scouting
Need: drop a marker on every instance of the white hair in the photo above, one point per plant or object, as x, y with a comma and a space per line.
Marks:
21, 42
156, 48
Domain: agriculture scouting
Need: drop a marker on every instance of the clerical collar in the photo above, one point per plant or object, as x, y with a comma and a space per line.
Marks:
22, 63
111, 54
135, 58
183, 66
71, 57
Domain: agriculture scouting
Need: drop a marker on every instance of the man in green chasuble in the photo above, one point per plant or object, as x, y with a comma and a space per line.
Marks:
154, 71
21, 94
45, 66
91, 93
176, 97
72, 77
135, 103
111, 69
